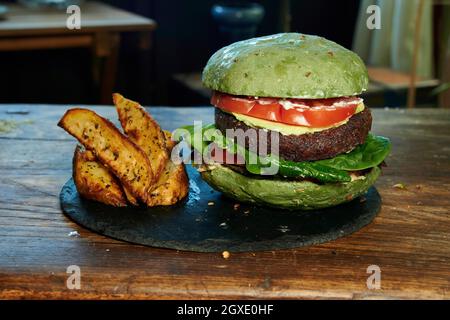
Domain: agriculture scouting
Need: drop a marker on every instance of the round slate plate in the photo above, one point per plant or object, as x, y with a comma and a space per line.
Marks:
206, 221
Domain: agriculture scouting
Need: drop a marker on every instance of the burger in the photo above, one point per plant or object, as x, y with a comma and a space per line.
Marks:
299, 97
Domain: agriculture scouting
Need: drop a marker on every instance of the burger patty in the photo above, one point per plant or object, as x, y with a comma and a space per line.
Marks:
311, 146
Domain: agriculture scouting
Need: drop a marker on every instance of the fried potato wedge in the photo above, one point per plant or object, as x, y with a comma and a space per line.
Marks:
144, 131
114, 150
131, 199
170, 144
172, 186
94, 181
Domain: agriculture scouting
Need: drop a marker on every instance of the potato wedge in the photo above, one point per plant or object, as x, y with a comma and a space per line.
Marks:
144, 131
170, 144
122, 157
131, 199
94, 181
172, 186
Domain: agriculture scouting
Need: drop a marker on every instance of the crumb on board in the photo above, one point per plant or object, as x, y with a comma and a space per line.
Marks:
73, 234
225, 254
399, 186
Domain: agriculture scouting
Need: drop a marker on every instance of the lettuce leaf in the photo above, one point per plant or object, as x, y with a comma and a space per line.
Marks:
368, 155
365, 156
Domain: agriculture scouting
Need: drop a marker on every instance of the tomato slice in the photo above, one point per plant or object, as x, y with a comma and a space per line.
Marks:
300, 112
294, 117
230, 103
327, 116
270, 111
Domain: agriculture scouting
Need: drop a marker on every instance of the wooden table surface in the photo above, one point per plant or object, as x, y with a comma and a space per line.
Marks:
95, 17
409, 240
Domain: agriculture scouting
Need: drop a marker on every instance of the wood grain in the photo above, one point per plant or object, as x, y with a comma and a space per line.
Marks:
96, 16
53, 42
409, 240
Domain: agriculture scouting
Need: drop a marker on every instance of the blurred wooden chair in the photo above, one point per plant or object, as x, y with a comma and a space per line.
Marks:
393, 65
441, 54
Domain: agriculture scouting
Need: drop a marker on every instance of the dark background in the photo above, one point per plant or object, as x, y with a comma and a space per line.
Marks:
185, 38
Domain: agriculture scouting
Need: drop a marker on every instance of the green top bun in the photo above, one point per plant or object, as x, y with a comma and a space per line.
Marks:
286, 194
286, 65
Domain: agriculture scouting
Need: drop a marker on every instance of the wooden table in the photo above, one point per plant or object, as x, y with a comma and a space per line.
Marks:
101, 26
409, 240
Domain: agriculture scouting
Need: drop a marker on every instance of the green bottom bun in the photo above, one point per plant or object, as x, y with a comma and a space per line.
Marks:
300, 195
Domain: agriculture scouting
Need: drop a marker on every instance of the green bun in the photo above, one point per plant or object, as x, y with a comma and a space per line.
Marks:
300, 195
286, 65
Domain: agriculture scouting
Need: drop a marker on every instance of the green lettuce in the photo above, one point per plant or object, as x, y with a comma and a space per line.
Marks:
368, 155
365, 156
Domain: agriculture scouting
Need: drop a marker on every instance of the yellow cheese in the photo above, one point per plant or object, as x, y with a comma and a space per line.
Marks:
287, 129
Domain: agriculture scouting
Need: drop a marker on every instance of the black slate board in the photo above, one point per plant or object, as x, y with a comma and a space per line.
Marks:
194, 225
